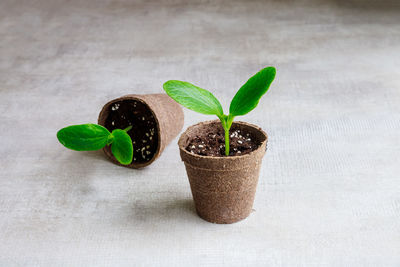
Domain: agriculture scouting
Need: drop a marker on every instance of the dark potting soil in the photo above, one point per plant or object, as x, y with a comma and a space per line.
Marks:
144, 133
212, 143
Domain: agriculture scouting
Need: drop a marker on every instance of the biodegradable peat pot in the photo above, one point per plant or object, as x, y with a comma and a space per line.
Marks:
155, 119
223, 188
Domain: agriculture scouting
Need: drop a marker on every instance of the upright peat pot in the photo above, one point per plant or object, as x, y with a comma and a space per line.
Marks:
154, 120
223, 188
223, 158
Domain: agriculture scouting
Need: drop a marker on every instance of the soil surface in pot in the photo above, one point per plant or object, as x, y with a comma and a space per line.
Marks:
212, 143
144, 133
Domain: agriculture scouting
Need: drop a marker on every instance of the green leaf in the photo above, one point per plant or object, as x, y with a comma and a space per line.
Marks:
193, 97
122, 147
248, 96
83, 137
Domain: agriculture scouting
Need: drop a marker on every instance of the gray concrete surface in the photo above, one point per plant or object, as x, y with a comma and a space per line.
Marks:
329, 190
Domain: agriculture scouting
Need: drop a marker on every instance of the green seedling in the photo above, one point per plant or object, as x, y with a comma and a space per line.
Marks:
89, 137
202, 101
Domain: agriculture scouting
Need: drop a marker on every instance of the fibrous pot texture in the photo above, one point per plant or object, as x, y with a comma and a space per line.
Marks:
223, 188
155, 119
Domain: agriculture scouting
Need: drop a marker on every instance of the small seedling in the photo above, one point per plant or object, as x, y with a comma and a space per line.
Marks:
202, 101
88, 137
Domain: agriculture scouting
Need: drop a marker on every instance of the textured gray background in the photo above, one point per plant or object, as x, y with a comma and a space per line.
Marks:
329, 190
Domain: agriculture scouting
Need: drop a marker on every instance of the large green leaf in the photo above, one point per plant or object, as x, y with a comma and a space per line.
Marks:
83, 137
193, 97
122, 147
248, 96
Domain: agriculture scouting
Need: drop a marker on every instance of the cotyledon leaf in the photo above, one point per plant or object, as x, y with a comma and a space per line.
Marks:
193, 97
84, 137
122, 147
248, 96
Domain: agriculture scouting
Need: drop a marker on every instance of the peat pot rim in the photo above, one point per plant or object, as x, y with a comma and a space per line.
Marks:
140, 98
222, 163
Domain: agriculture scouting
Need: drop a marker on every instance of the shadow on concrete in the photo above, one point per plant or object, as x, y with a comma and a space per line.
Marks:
163, 211
97, 155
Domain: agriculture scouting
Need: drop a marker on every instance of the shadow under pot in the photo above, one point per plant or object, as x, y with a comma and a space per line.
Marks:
223, 187
155, 119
